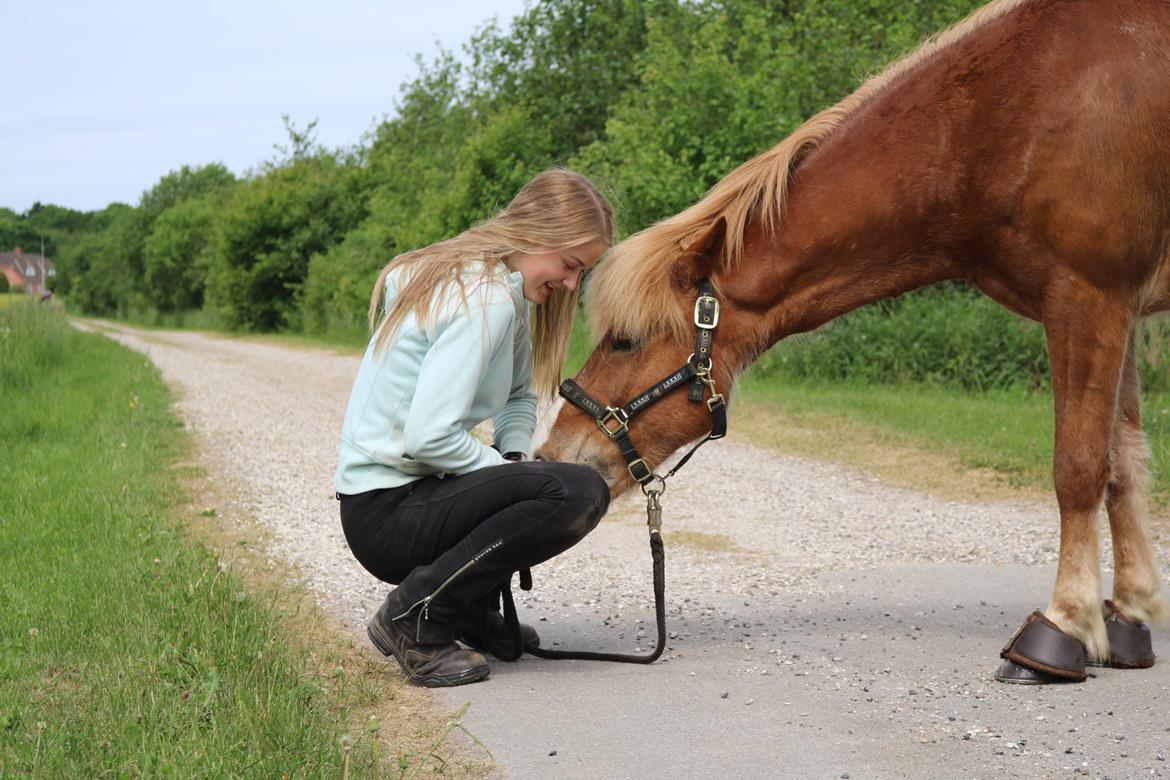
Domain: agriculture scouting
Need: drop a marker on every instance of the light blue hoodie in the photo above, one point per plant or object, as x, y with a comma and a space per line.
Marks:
413, 403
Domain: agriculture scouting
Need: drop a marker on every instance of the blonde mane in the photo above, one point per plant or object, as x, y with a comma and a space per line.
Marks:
629, 293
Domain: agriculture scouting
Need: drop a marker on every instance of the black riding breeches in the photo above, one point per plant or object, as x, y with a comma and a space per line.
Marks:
457, 539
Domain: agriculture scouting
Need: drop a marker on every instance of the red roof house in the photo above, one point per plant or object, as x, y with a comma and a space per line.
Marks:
28, 270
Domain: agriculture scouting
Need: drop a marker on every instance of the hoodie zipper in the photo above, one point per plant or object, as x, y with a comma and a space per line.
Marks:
426, 600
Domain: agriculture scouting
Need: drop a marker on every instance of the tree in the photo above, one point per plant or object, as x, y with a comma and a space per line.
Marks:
175, 255
720, 82
564, 63
265, 235
91, 268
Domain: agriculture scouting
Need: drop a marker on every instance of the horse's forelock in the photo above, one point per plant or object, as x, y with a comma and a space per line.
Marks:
630, 295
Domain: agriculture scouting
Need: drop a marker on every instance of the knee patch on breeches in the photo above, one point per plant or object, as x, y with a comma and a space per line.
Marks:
584, 498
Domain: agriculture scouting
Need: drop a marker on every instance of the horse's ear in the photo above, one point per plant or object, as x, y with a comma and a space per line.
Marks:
700, 259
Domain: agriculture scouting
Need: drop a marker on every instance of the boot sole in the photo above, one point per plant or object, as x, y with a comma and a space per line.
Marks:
384, 646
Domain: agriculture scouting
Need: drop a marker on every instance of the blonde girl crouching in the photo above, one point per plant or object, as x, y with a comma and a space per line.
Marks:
470, 328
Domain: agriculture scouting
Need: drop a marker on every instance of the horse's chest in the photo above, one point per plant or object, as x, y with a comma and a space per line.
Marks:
1017, 291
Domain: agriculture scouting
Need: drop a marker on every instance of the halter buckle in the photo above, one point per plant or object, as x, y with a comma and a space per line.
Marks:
613, 413
646, 472
700, 320
714, 402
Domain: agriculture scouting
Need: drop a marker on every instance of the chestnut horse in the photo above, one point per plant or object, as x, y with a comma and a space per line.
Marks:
1025, 150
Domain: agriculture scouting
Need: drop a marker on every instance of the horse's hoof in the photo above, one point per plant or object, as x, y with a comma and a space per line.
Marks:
1011, 672
1043, 648
1130, 643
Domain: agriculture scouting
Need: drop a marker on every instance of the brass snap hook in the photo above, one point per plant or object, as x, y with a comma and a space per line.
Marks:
653, 511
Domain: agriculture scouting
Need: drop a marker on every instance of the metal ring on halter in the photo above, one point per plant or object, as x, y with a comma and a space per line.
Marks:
703, 373
661, 485
700, 369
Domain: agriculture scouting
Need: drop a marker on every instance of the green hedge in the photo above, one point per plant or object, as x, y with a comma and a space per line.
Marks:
949, 335
946, 335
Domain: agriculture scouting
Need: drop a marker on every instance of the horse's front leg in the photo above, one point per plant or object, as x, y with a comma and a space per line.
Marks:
1087, 332
1137, 585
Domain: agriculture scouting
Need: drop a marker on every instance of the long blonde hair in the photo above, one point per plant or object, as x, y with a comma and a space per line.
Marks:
556, 210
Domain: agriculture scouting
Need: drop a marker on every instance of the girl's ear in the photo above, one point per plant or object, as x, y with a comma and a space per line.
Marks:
699, 260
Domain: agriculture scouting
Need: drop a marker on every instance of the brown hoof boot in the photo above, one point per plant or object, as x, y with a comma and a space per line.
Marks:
1041, 647
426, 651
1012, 673
1130, 643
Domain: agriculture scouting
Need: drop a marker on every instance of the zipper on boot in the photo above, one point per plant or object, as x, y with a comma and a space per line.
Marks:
426, 600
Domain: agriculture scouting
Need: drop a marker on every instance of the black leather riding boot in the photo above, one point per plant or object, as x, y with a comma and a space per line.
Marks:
426, 650
484, 615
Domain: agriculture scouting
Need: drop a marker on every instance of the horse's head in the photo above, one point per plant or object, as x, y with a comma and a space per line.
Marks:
646, 334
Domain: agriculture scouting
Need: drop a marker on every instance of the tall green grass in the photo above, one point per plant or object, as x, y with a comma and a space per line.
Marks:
124, 650
335, 332
187, 319
32, 341
1008, 431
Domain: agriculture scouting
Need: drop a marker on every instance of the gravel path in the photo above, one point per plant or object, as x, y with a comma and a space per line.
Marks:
824, 624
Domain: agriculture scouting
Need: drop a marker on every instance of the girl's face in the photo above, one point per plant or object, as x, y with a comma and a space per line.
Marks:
544, 272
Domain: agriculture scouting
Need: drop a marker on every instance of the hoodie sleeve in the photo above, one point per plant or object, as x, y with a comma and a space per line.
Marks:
449, 377
513, 425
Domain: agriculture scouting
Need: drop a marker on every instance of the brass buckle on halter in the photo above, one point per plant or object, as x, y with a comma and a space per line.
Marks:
714, 402
715, 318
642, 463
617, 415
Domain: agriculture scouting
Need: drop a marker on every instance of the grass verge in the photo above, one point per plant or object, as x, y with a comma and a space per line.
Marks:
125, 650
954, 443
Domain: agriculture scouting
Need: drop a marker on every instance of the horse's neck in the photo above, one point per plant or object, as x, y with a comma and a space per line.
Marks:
848, 237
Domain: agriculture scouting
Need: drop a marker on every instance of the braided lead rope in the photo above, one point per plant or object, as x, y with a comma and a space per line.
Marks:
512, 622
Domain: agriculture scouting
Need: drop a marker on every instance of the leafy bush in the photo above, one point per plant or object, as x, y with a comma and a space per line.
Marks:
96, 274
946, 335
175, 256
259, 255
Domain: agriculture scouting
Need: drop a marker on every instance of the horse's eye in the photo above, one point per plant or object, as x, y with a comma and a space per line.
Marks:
623, 345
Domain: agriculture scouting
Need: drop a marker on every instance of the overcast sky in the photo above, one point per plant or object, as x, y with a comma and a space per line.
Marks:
103, 98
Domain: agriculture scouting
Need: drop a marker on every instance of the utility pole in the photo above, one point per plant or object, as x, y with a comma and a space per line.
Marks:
44, 279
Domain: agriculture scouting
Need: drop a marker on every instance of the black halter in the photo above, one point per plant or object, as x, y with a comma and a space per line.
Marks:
614, 421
